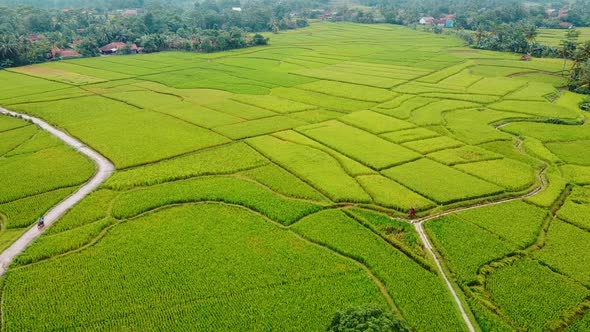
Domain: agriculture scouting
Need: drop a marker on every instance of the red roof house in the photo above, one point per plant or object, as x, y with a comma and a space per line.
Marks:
64, 54
112, 48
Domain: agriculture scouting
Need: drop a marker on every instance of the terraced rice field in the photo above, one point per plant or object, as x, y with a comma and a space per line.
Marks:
267, 188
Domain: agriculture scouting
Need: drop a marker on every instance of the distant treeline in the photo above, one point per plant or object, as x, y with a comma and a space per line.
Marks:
473, 14
29, 34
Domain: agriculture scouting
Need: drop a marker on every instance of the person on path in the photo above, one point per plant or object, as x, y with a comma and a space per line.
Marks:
41, 222
412, 213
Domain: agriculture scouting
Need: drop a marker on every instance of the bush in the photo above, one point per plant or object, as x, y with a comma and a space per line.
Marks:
585, 104
365, 318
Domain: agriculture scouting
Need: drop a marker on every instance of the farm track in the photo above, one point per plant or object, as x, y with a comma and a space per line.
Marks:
418, 225
104, 169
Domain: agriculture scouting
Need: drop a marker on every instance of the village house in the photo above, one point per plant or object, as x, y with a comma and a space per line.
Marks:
63, 53
35, 37
565, 25
114, 47
426, 20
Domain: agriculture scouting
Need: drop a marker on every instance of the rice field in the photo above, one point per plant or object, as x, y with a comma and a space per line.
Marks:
268, 188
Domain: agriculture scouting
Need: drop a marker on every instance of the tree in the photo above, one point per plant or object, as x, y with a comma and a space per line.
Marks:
365, 318
568, 45
88, 47
530, 34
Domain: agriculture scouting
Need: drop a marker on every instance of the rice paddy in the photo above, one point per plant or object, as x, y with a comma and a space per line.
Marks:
267, 189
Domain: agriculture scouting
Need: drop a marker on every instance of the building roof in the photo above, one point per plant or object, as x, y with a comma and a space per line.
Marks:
35, 37
65, 53
68, 53
114, 46
565, 24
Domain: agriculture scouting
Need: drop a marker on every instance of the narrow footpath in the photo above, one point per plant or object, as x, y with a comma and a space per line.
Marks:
104, 169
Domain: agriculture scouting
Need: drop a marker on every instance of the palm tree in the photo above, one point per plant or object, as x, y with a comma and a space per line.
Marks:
530, 34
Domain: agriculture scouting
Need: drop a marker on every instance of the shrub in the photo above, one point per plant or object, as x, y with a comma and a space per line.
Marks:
365, 318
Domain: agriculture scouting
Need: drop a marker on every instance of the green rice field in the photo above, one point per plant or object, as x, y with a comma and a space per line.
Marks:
264, 189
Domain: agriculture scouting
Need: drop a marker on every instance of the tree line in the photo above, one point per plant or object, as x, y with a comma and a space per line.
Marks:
28, 34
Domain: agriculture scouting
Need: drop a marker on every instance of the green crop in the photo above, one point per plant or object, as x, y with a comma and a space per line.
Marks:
386, 192
265, 272
515, 288
221, 189
516, 222
428, 308
508, 173
567, 250
440, 183
326, 175
359, 145
374, 122
465, 246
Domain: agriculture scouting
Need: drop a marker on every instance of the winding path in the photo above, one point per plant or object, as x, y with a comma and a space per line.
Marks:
418, 225
105, 169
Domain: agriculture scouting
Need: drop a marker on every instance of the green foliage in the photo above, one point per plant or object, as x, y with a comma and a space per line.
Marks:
282, 181
12, 139
258, 127
365, 318
94, 207
575, 152
429, 145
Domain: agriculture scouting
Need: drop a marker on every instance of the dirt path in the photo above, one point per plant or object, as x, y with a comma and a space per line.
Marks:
105, 169
418, 225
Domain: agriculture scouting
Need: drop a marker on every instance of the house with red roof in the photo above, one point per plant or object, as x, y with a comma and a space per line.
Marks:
114, 47
63, 54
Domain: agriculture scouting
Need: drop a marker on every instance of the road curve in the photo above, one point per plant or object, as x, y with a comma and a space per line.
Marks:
104, 169
418, 225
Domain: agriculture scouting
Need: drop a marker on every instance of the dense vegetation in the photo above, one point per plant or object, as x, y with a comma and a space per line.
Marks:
276, 183
29, 34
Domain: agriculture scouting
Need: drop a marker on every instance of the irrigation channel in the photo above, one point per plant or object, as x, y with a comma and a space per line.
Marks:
104, 169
